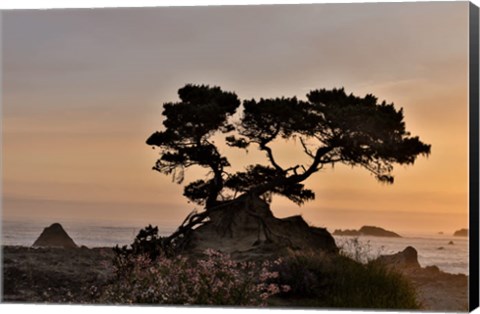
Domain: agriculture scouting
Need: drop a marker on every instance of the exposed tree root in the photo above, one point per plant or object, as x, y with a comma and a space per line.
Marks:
244, 224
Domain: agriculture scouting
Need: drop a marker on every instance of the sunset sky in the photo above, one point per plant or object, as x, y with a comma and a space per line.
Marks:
83, 89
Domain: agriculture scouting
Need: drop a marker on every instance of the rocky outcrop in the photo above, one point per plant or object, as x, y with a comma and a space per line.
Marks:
436, 290
367, 231
461, 233
247, 229
54, 236
407, 258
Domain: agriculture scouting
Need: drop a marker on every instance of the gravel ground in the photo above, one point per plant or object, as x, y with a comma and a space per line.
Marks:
37, 275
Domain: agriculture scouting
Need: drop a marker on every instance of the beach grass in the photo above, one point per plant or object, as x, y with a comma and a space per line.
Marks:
323, 281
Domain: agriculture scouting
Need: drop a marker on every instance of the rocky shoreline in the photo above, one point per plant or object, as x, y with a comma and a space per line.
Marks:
58, 275
436, 290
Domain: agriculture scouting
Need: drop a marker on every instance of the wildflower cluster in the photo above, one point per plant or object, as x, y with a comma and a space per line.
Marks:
215, 279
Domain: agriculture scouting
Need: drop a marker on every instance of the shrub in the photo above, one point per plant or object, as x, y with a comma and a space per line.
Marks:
148, 243
212, 280
321, 280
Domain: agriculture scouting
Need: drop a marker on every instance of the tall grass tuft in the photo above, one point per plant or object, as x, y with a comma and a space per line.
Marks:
320, 280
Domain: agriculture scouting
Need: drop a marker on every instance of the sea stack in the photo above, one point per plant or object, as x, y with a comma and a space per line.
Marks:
54, 236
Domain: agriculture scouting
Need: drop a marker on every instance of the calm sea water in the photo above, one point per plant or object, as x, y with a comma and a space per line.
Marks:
84, 233
432, 250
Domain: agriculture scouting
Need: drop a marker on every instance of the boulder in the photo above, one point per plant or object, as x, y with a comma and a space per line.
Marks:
54, 236
247, 229
405, 259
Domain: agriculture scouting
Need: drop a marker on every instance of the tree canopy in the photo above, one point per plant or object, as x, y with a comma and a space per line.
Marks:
330, 125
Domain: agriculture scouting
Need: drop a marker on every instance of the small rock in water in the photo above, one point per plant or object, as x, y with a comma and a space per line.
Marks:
54, 236
450, 243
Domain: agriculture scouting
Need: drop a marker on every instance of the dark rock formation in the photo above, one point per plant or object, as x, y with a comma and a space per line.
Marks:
54, 236
436, 290
368, 231
407, 258
247, 229
461, 233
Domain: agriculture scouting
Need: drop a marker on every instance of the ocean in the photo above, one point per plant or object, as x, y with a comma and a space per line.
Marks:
432, 249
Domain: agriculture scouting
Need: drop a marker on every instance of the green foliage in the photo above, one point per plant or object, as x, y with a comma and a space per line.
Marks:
198, 191
331, 126
364, 132
339, 282
146, 243
255, 175
186, 140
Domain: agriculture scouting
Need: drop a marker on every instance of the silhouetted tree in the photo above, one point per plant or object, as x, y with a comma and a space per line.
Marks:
186, 141
331, 127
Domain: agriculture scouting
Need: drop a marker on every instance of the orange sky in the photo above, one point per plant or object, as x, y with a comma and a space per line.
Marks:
83, 89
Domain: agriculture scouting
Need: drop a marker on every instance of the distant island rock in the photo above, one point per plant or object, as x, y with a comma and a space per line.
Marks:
461, 233
54, 236
367, 231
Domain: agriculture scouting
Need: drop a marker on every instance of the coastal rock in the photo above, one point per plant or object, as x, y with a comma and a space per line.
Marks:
367, 231
54, 236
461, 233
247, 229
437, 291
405, 259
